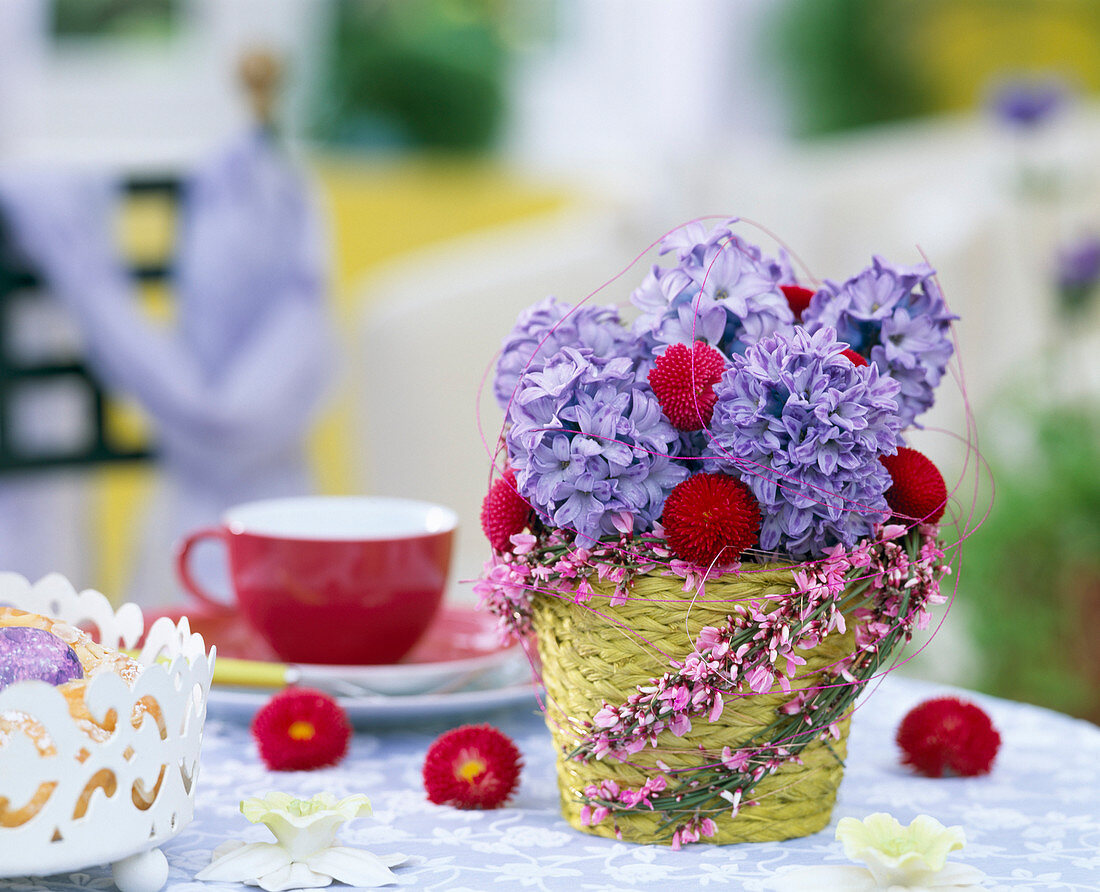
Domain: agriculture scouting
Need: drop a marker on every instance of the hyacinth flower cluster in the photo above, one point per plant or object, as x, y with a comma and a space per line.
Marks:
731, 367
743, 419
896, 317
544, 328
805, 428
588, 443
721, 291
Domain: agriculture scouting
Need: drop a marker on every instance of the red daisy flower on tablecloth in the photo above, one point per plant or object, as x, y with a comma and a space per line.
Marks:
300, 729
918, 491
504, 512
710, 517
683, 381
855, 358
474, 766
948, 735
798, 298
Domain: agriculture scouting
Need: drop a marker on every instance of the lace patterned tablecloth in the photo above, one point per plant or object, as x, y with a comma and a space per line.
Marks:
1034, 823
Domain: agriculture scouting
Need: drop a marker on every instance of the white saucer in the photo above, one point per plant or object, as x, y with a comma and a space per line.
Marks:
240, 704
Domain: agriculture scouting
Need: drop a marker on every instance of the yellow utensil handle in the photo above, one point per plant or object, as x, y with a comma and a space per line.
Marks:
249, 673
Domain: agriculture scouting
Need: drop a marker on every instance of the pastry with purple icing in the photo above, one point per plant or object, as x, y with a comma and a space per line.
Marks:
34, 647
36, 654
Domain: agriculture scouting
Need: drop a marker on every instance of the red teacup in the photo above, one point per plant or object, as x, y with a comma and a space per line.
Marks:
334, 579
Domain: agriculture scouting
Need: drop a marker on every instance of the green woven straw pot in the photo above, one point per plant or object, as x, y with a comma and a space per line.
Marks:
589, 659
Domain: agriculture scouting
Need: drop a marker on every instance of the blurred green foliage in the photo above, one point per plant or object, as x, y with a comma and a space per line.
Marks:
851, 63
839, 69
413, 73
114, 18
1031, 574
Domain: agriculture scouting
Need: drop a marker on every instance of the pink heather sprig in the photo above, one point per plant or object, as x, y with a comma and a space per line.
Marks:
893, 582
552, 562
696, 577
693, 831
735, 774
608, 795
615, 798
504, 589
905, 583
747, 654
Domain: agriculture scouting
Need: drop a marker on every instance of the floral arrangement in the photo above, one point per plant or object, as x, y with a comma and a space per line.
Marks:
742, 421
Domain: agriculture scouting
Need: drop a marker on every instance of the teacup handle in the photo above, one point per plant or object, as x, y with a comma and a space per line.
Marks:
183, 567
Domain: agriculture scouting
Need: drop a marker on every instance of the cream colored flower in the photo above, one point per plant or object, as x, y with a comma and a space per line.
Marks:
896, 855
303, 855
897, 858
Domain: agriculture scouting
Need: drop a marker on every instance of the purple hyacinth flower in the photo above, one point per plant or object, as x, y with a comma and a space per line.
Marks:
721, 290
588, 440
896, 318
804, 428
1028, 103
28, 654
543, 329
1078, 272
1079, 262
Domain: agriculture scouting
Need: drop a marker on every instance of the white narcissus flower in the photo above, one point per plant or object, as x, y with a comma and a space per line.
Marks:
898, 858
303, 856
304, 827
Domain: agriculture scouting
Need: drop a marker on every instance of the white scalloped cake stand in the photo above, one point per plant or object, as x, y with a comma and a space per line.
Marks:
115, 829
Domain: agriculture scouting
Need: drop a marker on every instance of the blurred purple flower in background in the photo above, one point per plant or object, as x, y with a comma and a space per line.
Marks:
1026, 103
587, 439
1077, 272
897, 319
804, 427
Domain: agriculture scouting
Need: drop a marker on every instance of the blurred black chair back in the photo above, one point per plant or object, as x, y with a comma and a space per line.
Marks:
32, 379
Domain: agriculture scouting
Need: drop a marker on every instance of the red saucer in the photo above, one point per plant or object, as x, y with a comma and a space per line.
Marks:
457, 633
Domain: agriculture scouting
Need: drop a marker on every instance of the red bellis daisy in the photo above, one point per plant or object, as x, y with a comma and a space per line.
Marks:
683, 381
300, 729
855, 358
949, 736
710, 517
918, 491
504, 512
798, 298
474, 766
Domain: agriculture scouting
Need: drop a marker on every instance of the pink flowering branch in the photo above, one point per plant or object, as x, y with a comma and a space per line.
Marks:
885, 583
898, 581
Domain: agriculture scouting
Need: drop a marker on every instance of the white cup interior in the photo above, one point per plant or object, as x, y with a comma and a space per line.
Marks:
343, 518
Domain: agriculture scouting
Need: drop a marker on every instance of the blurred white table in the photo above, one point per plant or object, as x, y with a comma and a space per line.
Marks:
1033, 823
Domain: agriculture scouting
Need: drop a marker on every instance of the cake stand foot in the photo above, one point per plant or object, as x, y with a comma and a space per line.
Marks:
144, 872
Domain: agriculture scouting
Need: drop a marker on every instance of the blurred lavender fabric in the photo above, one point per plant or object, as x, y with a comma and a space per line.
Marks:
233, 386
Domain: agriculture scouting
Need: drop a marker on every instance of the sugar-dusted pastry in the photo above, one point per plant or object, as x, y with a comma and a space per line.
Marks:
34, 647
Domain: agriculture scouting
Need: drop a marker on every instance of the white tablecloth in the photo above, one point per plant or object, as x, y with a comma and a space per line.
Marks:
1033, 823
